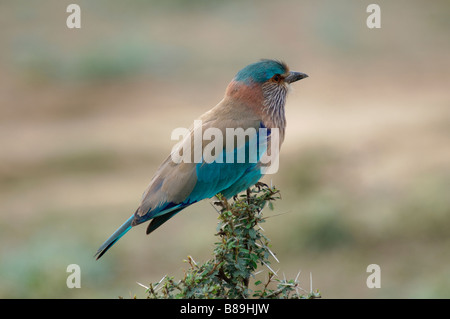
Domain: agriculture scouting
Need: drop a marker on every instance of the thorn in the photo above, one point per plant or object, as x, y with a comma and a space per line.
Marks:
273, 255
297, 275
160, 281
276, 215
192, 259
273, 271
143, 285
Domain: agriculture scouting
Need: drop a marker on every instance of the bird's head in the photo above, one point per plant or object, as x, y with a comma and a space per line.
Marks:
264, 85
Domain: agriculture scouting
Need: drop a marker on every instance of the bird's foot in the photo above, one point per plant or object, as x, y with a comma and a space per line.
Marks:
260, 185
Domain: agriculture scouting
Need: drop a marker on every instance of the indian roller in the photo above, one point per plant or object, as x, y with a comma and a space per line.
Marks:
255, 98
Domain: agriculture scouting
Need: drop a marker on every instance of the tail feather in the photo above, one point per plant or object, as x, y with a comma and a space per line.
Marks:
122, 230
159, 220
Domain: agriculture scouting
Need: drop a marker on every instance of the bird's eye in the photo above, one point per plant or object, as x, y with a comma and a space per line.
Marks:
276, 77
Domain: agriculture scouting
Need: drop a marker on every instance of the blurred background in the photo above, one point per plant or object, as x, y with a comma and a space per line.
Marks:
86, 116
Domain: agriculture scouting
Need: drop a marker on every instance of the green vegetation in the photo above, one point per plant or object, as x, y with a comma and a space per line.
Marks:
241, 248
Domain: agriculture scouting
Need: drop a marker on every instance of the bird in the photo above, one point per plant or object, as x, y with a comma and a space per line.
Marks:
255, 98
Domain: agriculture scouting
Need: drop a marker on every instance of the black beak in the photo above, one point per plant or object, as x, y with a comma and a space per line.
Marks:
295, 76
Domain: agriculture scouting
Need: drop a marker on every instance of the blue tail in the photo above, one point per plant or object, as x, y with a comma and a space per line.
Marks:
122, 230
